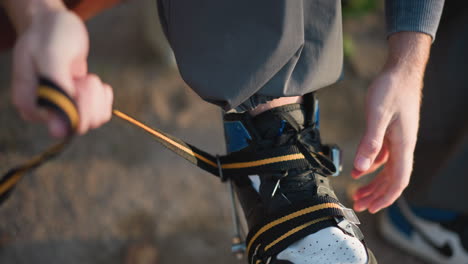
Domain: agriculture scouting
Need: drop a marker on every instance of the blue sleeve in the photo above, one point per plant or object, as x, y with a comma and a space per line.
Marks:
413, 15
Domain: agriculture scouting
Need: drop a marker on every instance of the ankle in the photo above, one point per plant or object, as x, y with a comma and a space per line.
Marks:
275, 103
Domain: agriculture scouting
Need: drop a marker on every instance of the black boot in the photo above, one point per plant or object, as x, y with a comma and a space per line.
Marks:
284, 205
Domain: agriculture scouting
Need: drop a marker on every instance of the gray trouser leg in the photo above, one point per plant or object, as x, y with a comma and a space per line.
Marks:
237, 54
440, 176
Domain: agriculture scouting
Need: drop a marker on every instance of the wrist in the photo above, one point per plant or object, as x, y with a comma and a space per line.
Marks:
408, 53
23, 12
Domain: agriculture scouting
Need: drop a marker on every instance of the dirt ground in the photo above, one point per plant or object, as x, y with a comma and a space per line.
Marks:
115, 196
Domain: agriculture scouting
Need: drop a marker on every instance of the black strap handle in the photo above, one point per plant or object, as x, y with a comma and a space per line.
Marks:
52, 97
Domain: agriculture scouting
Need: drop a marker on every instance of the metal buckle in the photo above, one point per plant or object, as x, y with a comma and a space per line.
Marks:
237, 246
350, 215
220, 169
334, 153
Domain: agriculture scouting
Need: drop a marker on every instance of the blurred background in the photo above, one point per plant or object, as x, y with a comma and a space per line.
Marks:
116, 196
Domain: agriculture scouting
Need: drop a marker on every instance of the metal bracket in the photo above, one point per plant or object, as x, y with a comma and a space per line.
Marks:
220, 169
335, 154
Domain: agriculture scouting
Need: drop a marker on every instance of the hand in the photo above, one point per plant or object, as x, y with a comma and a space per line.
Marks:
54, 44
392, 107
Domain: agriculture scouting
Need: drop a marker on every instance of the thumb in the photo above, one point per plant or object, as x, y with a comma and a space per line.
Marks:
370, 145
24, 83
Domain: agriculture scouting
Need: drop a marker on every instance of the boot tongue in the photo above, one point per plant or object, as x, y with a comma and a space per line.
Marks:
272, 123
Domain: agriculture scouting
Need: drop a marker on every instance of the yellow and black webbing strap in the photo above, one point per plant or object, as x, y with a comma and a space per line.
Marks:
235, 164
51, 97
275, 159
277, 233
192, 154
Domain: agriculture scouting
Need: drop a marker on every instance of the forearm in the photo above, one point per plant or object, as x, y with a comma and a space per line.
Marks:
22, 12
408, 53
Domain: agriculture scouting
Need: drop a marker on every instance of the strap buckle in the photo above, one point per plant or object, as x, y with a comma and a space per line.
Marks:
220, 169
238, 246
335, 154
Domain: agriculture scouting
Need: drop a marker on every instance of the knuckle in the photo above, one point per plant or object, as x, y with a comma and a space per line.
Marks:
407, 143
97, 123
394, 194
94, 78
402, 185
83, 128
100, 120
372, 146
17, 102
108, 90
381, 112
109, 115
387, 203
21, 105
92, 81
93, 125
49, 52
16, 98
111, 98
397, 186
104, 119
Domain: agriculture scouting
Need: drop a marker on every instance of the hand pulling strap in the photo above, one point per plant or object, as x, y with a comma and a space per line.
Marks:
52, 97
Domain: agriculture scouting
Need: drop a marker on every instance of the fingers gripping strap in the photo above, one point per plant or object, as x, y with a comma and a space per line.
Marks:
53, 98
234, 164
